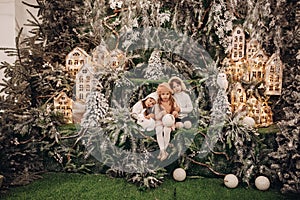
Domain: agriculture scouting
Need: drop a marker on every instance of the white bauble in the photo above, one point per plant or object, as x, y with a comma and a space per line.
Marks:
231, 181
179, 174
187, 124
179, 125
262, 183
168, 120
248, 121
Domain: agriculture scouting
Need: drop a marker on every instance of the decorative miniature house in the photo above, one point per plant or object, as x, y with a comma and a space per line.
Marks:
238, 44
104, 58
238, 96
266, 117
252, 47
63, 104
274, 75
252, 68
253, 107
82, 69
84, 82
75, 60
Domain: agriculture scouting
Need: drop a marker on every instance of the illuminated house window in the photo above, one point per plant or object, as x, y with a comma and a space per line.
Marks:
80, 87
259, 74
80, 79
271, 88
254, 74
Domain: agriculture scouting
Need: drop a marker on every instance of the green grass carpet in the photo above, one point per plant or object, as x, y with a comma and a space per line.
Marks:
78, 186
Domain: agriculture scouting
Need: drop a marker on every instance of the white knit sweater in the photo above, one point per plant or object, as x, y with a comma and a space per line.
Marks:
185, 103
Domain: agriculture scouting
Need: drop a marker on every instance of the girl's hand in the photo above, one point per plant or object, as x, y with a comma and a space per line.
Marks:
149, 116
175, 114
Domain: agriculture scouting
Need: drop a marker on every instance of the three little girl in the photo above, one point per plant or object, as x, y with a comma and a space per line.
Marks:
164, 104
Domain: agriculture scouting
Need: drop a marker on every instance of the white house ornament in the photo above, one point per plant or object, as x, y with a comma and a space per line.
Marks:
168, 120
262, 183
179, 174
231, 181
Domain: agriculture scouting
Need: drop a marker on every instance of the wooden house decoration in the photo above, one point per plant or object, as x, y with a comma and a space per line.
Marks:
98, 55
116, 59
252, 47
274, 75
238, 96
238, 44
266, 117
84, 82
254, 106
249, 65
104, 58
75, 60
257, 66
63, 104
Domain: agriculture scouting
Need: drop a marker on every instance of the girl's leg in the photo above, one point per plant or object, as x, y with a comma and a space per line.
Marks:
160, 140
167, 135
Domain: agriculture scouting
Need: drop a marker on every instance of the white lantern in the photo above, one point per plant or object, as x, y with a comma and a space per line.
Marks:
168, 120
179, 174
231, 181
262, 183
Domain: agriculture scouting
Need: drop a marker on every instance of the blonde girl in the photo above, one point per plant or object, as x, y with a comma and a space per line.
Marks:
165, 105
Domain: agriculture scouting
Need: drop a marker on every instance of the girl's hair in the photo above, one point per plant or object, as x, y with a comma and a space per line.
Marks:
144, 106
